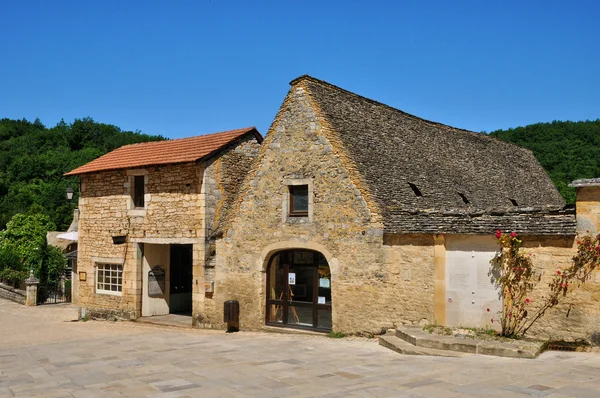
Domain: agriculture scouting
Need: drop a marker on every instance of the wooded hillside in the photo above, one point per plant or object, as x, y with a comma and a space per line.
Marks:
33, 159
567, 150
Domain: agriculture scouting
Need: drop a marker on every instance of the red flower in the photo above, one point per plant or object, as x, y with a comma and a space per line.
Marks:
578, 242
513, 234
566, 284
488, 310
498, 234
558, 272
527, 301
509, 315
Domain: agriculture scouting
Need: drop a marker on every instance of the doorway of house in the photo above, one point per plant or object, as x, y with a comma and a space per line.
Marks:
299, 290
180, 292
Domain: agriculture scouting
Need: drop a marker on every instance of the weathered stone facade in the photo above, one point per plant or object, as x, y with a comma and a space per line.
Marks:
388, 263
379, 279
182, 206
372, 282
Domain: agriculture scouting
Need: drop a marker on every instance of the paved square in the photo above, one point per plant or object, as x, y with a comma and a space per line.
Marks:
44, 354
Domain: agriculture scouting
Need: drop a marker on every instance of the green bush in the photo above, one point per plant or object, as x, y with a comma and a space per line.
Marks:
12, 269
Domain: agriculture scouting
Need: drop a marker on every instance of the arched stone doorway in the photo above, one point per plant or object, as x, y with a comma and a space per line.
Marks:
299, 290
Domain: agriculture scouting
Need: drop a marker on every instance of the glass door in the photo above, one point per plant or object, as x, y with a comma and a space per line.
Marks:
301, 295
299, 290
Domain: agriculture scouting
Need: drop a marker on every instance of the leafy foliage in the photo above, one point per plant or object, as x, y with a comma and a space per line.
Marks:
566, 150
26, 233
34, 158
23, 247
513, 272
12, 270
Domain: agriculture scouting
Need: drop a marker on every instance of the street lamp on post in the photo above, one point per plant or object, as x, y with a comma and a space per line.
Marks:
69, 193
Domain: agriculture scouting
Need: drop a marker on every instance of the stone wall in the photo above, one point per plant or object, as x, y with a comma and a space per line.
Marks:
184, 204
172, 213
10, 293
223, 176
579, 315
369, 280
588, 209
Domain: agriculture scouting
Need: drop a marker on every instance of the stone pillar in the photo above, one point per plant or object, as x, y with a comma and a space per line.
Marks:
587, 205
439, 287
31, 284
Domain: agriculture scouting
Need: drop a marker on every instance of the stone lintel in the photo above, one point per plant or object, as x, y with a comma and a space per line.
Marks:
168, 241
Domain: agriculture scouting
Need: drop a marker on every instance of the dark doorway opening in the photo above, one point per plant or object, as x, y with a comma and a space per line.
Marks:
299, 290
180, 297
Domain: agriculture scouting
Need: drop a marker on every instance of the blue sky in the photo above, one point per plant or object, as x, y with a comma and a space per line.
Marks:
187, 68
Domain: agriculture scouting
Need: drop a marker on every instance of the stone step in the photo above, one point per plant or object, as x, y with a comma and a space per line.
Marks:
437, 342
400, 346
509, 348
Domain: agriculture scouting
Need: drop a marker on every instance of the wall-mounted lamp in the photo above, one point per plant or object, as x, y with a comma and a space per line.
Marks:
69, 193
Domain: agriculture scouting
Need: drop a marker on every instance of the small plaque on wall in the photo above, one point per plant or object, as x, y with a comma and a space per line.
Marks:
82, 276
156, 281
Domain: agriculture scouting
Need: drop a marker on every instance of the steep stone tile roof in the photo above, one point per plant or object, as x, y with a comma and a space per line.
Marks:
182, 150
410, 164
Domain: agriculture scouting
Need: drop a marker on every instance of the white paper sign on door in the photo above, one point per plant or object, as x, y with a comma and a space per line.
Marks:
292, 278
321, 300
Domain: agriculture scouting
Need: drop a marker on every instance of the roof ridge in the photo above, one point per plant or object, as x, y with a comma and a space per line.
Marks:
243, 129
410, 115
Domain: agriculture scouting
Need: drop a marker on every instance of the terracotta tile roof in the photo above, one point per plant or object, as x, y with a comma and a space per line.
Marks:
164, 152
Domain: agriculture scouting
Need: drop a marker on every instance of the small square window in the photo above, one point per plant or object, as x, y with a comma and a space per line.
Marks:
298, 200
138, 192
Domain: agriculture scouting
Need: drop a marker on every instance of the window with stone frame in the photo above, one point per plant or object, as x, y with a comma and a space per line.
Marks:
109, 279
298, 201
138, 192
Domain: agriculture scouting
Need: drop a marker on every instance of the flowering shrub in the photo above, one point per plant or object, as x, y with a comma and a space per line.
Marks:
513, 273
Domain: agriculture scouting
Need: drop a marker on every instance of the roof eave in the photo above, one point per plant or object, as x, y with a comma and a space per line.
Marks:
252, 130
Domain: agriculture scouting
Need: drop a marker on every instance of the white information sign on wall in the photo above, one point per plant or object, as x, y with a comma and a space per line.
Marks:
292, 278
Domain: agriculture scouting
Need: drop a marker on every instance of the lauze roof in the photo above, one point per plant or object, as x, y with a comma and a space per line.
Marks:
182, 150
429, 177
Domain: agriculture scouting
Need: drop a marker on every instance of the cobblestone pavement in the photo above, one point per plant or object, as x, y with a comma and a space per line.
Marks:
44, 354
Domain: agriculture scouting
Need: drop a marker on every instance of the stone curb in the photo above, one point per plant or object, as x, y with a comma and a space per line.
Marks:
514, 349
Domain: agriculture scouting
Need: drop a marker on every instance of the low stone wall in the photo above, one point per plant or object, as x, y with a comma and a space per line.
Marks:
12, 294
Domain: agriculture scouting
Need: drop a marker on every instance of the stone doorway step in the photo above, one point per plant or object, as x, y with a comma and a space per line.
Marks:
416, 341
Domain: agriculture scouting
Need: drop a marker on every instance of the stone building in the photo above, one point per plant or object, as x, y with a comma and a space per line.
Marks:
353, 217
148, 214
358, 217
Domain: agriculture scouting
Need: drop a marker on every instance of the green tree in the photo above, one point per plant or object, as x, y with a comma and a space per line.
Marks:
566, 150
34, 159
26, 234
